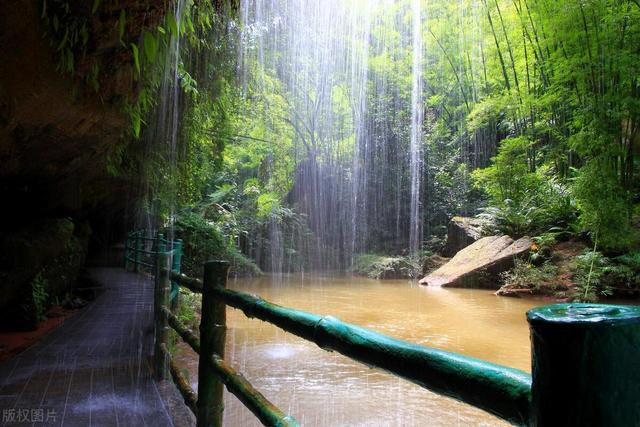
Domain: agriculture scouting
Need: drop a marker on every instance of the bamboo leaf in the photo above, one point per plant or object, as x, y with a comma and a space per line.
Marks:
96, 5
136, 57
150, 46
173, 25
64, 39
136, 122
190, 25
122, 23
84, 34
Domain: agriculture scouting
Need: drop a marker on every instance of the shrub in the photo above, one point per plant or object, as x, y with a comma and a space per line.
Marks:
39, 295
385, 267
625, 274
522, 201
510, 176
605, 208
599, 276
203, 241
525, 275
590, 276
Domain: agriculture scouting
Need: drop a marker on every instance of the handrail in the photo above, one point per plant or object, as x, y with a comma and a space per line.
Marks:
500, 390
259, 405
134, 251
194, 285
268, 413
561, 335
503, 391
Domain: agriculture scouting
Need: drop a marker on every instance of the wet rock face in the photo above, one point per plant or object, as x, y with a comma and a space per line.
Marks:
46, 253
56, 132
461, 232
479, 265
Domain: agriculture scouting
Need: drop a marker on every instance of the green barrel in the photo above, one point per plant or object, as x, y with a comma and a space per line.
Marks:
585, 365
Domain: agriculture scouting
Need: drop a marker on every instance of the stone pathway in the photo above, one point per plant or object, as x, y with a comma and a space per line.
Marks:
93, 370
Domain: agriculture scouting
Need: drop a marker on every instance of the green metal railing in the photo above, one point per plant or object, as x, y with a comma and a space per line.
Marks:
584, 358
141, 251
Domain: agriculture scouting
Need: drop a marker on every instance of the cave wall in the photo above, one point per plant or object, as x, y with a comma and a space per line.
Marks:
56, 137
56, 133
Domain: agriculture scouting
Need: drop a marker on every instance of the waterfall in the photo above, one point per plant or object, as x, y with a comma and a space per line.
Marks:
161, 139
417, 117
357, 130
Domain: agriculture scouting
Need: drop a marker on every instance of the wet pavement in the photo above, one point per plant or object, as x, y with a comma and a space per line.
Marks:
94, 370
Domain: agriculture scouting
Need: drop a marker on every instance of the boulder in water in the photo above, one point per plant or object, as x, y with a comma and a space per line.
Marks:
479, 264
461, 232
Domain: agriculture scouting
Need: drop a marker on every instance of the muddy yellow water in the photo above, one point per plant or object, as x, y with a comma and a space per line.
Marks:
320, 388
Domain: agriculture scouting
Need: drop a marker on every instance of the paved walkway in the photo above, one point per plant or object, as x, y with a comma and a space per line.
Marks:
94, 369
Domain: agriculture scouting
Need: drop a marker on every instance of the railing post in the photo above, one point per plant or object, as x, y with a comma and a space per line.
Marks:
162, 286
586, 368
212, 339
159, 248
137, 252
127, 243
175, 267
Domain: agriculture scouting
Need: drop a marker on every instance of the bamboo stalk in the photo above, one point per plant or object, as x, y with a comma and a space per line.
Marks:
185, 333
237, 384
500, 57
212, 341
190, 397
162, 284
194, 285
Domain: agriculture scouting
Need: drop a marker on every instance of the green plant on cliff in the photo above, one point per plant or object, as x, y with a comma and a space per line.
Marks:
40, 296
69, 29
69, 34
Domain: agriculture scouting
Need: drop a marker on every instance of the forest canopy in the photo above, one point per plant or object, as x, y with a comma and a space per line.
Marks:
310, 134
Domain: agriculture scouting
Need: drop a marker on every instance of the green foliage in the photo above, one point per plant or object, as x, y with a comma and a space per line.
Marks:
385, 267
203, 242
267, 205
40, 296
511, 176
599, 276
591, 272
546, 89
68, 34
523, 199
624, 275
605, 208
525, 275
547, 211
189, 309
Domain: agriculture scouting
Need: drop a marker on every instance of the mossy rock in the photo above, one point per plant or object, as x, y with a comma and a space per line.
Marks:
480, 264
461, 232
385, 267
